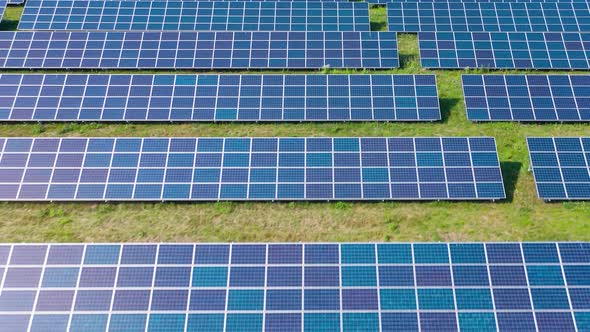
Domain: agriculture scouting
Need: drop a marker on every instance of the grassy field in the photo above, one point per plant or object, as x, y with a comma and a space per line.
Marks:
522, 216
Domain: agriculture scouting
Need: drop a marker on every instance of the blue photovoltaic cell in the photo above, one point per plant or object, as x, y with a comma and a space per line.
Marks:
527, 97
41, 97
488, 17
3, 4
296, 287
518, 50
560, 167
195, 16
200, 50
212, 169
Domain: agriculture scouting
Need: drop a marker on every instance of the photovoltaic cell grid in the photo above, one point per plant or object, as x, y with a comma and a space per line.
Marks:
190, 15
472, 1
531, 50
560, 167
200, 50
296, 287
218, 97
243, 0
527, 97
211, 169
488, 17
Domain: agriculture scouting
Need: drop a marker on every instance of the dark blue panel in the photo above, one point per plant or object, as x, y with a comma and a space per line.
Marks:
480, 16
175, 254
559, 167
203, 50
411, 284
203, 176
548, 50
207, 16
526, 98
207, 102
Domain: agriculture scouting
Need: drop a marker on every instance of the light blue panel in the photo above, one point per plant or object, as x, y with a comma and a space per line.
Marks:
436, 299
359, 276
390, 253
243, 323
360, 322
205, 322
210, 276
477, 322
431, 253
398, 299
102, 254
127, 322
357, 253
166, 322
89, 323
322, 322
545, 275
474, 299
245, 300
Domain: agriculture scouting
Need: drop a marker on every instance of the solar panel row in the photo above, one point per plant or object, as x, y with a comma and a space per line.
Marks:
462, 1
204, 16
296, 287
250, 169
62, 97
527, 97
202, 50
532, 50
560, 167
488, 17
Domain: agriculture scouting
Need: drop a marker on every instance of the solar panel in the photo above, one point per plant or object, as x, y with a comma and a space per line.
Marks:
200, 50
212, 169
3, 4
489, 17
472, 1
16, 2
189, 15
42, 97
527, 97
216, 287
530, 50
560, 167
233, 0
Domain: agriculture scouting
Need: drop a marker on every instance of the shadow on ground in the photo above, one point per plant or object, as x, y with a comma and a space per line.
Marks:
8, 25
510, 173
446, 104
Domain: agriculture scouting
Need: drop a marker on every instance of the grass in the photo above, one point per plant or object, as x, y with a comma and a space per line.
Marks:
522, 216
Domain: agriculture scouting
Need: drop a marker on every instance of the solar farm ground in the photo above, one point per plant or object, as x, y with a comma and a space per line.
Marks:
523, 216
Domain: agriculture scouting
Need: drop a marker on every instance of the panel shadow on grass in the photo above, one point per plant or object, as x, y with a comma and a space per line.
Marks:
510, 173
8, 25
409, 61
446, 104
378, 26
